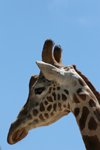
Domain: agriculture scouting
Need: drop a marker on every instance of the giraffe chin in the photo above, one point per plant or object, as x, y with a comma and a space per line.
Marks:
17, 136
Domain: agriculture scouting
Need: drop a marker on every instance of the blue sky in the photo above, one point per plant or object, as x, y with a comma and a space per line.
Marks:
24, 26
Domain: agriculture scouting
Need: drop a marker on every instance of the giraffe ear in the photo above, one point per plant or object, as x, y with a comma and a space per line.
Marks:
51, 72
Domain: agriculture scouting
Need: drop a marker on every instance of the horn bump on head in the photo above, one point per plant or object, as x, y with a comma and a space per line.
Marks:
47, 54
58, 53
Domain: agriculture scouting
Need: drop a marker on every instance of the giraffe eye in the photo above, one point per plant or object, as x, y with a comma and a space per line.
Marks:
39, 90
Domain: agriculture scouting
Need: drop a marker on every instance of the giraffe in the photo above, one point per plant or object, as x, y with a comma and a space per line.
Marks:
57, 91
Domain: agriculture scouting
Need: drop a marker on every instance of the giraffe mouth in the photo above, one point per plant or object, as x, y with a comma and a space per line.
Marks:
17, 136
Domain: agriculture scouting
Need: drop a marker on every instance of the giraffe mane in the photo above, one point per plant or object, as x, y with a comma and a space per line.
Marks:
91, 86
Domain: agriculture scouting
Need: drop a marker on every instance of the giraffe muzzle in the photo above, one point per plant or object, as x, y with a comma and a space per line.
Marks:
16, 136
15, 133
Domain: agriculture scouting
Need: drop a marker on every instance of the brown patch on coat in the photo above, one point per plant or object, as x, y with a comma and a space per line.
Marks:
59, 105
82, 83
58, 88
64, 98
81, 94
92, 125
75, 99
42, 108
49, 98
58, 97
46, 103
54, 95
91, 142
50, 90
76, 112
49, 107
55, 106
68, 106
46, 115
35, 112
92, 103
83, 118
41, 117
66, 91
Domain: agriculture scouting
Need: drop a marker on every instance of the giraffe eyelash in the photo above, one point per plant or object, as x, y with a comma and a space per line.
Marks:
39, 90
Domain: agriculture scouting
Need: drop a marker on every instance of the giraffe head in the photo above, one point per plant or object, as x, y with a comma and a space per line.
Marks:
47, 100
57, 91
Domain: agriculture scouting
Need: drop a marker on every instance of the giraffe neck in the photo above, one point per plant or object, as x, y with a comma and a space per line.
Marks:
89, 124
86, 110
